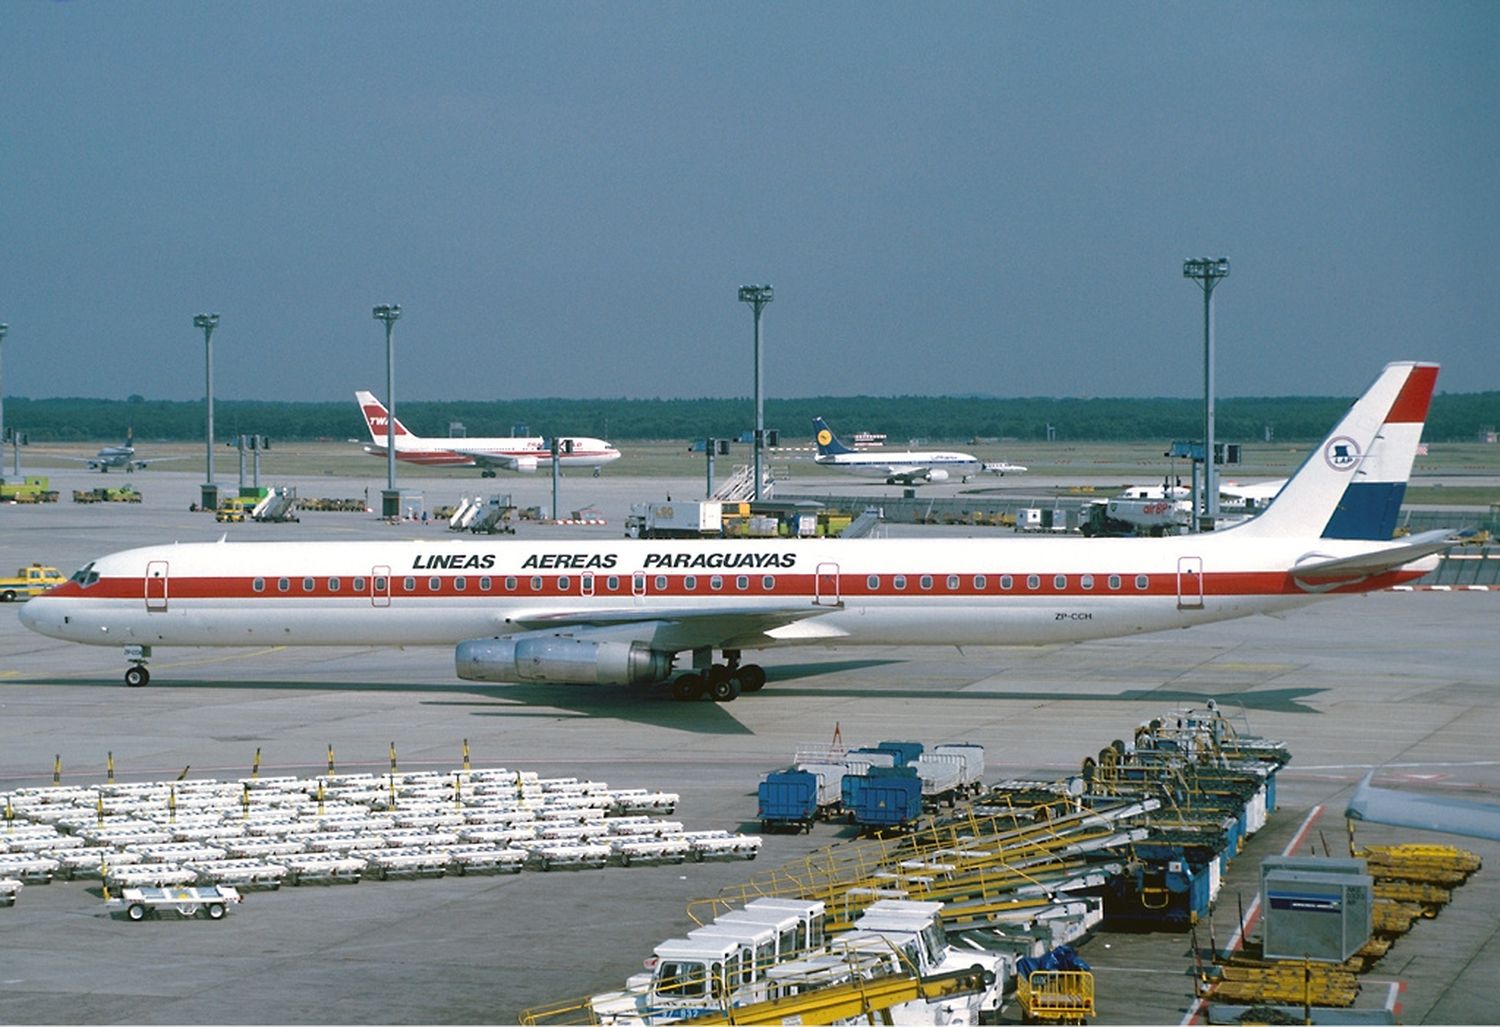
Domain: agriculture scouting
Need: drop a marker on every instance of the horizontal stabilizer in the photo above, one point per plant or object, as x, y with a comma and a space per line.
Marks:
1378, 561
1423, 812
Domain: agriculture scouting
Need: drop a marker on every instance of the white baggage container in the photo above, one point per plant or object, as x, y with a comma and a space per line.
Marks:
635, 849
245, 874
323, 868
973, 755
389, 864
940, 777
497, 835
721, 845
31, 869
142, 875
550, 855
486, 859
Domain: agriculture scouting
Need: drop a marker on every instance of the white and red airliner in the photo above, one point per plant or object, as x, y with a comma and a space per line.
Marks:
521, 453
624, 611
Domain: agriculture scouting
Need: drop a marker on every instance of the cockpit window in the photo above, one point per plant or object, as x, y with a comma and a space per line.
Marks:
85, 576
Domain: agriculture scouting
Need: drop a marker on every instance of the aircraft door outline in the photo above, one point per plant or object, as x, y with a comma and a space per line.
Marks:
156, 586
826, 585
1190, 582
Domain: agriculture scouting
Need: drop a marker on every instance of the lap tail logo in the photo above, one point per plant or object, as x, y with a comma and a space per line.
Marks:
1352, 485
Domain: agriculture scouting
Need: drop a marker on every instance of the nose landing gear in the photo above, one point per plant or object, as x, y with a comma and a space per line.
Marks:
136, 675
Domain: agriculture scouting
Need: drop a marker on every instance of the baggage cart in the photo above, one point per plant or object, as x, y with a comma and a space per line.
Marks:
1056, 996
213, 900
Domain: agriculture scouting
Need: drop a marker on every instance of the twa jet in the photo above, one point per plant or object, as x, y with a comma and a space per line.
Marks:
624, 611
906, 468
523, 454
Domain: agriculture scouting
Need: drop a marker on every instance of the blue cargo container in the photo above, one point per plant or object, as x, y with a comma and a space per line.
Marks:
788, 798
906, 752
885, 797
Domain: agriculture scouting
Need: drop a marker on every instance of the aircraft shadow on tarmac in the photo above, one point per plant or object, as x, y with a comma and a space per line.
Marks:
653, 704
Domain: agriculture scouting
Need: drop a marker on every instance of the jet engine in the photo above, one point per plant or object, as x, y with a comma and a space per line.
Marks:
937, 474
526, 464
561, 659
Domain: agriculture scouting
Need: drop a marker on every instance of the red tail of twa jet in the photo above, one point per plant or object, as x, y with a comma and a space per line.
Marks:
622, 612
514, 454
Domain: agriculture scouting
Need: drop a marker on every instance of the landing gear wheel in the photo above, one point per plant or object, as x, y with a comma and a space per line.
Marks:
687, 688
724, 689
718, 672
137, 677
751, 677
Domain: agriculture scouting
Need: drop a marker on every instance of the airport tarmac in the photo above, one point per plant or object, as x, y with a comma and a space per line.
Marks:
1403, 681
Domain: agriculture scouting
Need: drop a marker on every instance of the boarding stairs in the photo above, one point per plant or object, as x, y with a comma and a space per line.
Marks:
278, 505
739, 487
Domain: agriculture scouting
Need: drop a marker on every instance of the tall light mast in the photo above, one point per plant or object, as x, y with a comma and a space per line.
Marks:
1207, 272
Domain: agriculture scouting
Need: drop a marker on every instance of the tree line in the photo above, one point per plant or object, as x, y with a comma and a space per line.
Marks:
1454, 417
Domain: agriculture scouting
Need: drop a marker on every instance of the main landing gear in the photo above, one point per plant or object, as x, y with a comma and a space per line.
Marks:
487, 473
721, 682
136, 675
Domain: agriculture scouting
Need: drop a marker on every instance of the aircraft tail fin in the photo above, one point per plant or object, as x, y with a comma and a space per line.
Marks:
828, 442
375, 418
1352, 485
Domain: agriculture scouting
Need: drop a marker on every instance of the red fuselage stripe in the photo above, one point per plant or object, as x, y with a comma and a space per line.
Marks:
847, 586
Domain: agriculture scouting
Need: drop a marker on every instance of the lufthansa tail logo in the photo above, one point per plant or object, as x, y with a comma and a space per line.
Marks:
825, 437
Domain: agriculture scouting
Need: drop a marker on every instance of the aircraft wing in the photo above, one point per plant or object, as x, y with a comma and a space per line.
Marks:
1424, 812
691, 627
501, 461
154, 460
1377, 561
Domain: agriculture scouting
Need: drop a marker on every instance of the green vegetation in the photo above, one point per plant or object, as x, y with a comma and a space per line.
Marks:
1454, 417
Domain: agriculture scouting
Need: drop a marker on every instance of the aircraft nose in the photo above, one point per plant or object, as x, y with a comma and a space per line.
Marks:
30, 613
44, 616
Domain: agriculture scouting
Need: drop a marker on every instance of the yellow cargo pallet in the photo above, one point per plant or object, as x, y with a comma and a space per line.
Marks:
1389, 918
1430, 897
1252, 981
1056, 996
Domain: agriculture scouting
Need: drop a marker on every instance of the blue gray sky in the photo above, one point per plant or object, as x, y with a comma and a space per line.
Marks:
564, 197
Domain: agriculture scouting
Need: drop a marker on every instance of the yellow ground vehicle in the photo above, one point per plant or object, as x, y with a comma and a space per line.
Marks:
235, 508
28, 490
29, 581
